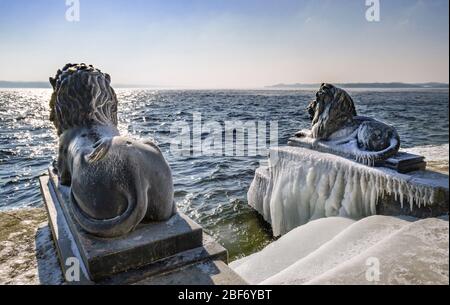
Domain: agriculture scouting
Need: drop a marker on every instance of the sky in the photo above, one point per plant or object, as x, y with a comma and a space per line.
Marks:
228, 43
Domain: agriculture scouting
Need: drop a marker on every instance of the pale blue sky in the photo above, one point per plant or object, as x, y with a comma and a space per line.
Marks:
228, 43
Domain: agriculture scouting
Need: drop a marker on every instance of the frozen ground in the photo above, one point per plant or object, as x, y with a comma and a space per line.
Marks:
436, 156
27, 253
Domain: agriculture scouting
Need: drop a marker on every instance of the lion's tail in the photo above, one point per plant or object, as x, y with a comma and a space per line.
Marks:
113, 227
349, 148
370, 158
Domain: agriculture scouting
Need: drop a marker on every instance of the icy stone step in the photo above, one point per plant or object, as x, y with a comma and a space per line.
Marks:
289, 249
210, 251
408, 252
404, 162
416, 254
350, 242
202, 273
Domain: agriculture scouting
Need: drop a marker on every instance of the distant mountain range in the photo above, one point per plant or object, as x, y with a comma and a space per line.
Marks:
396, 85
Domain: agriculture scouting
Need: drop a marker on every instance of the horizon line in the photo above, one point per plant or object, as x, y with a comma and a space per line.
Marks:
404, 85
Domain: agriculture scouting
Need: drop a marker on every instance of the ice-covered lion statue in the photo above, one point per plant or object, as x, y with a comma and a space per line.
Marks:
337, 128
115, 181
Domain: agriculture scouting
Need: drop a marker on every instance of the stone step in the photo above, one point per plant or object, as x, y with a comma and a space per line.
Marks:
404, 162
210, 250
203, 273
65, 244
104, 257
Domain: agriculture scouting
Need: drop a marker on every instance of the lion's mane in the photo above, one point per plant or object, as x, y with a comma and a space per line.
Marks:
332, 109
82, 97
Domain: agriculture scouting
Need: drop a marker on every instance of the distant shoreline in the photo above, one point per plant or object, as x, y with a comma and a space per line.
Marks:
281, 86
396, 85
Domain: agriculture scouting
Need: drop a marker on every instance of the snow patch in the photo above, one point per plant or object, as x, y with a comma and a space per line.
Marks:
416, 254
431, 152
350, 242
409, 251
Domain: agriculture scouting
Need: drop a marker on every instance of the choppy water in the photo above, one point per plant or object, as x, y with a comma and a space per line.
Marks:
212, 190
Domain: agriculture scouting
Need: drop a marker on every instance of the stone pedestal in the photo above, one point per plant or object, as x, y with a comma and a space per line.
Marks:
301, 184
151, 249
402, 162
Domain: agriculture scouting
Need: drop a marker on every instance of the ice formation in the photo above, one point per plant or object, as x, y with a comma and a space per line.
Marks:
416, 254
409, 251
289, 249
352, 241
302, 185
348, 147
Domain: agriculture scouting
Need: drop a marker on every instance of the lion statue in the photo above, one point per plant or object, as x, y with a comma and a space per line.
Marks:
115, 182
336, 128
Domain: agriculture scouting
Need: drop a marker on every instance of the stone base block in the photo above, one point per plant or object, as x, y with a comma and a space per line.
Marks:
212, 272
402, 162
210, 250
104, 257
146, 256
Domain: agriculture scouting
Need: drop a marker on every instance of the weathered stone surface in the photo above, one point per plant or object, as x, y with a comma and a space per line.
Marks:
146, 244
404, 162
204, 273
66, 246
210, 250
390, 206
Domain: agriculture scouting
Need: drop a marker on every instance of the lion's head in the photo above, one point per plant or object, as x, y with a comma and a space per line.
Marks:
82, 96
330, 111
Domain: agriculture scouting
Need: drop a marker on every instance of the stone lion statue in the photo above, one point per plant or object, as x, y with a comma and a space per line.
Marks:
336, 128
115, 182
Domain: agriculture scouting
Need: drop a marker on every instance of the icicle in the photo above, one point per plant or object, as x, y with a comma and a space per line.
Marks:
305, 185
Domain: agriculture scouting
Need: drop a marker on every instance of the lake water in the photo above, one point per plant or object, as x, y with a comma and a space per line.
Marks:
211, 190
